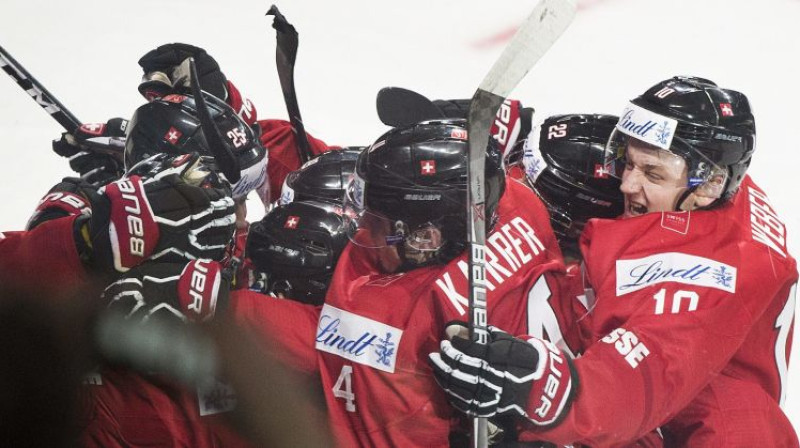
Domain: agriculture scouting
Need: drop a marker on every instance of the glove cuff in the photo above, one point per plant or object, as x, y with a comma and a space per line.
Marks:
554, 385
155, 85
124, 230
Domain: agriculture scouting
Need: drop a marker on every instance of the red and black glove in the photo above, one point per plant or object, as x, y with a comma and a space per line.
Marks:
69, 197
135, 219
508, 376
400, 107
186, 292
166, 71
511, 125
95, 150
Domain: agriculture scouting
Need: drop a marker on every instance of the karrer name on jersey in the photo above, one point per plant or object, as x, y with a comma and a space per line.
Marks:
509, 241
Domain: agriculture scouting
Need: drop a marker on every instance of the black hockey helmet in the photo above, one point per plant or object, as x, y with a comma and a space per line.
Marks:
171, 125
410, 188
323, 177
297, 245
711, 128
564, 164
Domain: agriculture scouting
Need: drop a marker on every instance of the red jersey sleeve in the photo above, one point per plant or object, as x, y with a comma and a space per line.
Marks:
43, 261
278, 138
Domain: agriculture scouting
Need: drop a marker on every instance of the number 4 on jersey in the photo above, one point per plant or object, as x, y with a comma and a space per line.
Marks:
344, 388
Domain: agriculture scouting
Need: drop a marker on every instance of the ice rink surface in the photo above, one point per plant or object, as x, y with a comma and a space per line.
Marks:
85, 53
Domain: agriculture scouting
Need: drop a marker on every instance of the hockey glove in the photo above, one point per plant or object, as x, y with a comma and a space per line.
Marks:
184, 292
69, 197
165, 71
95, 151
512, 124
508, 376
163, 217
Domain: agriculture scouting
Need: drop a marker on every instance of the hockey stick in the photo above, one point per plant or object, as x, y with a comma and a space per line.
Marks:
226, 161
105, 145
401, 107
37, 91
536, 35
285, 55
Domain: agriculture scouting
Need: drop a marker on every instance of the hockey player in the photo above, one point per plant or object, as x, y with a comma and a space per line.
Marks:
132, 220
296, 244
403, 276
694, 295
563, 162
295, 248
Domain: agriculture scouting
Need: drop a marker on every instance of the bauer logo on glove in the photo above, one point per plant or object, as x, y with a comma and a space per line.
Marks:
188, 292
509, 376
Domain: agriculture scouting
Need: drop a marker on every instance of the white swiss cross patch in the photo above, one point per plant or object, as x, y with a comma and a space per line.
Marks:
93, 128
600, 171
173, 135
427, 167
291, 222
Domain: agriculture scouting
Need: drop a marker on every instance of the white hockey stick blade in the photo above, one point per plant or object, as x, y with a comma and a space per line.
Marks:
534, 37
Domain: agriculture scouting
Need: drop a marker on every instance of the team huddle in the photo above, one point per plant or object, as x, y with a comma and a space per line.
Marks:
639, 287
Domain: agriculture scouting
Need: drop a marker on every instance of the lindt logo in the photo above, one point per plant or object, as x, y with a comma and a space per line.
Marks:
632, 127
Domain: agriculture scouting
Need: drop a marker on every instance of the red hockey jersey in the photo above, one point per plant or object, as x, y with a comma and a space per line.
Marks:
690, 307
375, 330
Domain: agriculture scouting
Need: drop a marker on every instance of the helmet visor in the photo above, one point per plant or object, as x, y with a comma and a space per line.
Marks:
370, 229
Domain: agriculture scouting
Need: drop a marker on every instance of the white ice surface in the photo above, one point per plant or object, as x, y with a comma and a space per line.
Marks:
85, 52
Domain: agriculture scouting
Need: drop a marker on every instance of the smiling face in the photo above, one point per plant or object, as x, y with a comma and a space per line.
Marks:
653, 179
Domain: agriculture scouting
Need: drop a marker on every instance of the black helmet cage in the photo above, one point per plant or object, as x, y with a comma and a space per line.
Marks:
297, 246
171, 125
565, 167
715, 129
324, 177
161, 164
418, 174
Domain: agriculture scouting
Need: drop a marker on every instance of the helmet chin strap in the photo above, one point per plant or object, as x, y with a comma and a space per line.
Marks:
689, 200
686, 201
413, 259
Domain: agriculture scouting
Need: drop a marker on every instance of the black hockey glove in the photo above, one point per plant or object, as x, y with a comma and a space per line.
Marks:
69, 197
166, 71
508, 376
95, 151
135, 219
185, 292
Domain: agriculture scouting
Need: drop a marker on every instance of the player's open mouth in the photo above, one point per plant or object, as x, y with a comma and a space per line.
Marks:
635, 209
